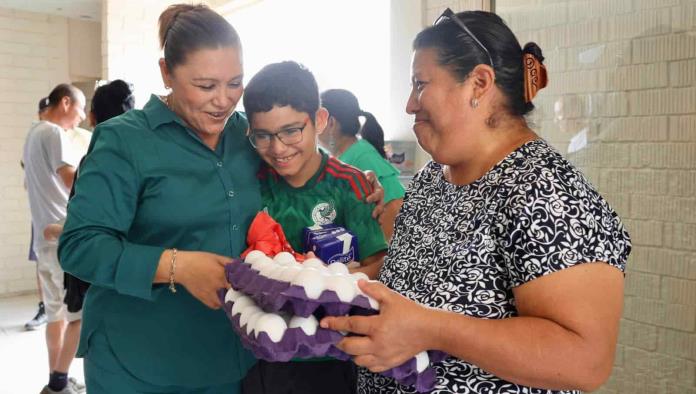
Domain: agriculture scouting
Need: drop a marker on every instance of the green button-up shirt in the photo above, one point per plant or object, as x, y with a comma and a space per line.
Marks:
149, 183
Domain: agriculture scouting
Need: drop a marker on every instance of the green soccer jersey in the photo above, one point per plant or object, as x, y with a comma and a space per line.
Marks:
335, 194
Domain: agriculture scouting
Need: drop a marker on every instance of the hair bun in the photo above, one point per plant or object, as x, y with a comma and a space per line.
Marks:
533, 49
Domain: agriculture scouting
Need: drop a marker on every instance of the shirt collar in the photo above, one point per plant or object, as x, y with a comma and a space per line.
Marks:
158, 113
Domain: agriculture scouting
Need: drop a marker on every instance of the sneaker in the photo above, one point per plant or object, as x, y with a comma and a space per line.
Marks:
66, 390
38, 320
77, 386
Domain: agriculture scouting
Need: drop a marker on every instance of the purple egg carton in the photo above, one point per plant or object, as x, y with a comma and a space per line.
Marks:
296, 344
278, 296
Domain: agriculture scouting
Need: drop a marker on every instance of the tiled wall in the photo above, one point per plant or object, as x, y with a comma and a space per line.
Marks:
625, 72
37, 52
33, 58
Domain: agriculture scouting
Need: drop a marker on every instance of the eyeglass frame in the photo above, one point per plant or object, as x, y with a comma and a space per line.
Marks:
253, 133
449, 14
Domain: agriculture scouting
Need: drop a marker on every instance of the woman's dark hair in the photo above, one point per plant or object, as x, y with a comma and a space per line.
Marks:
186, 28
60, 91
344, 107
111, 100
282, 84
460, 53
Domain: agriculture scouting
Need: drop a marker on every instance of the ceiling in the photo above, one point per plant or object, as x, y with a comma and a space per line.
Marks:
89, 10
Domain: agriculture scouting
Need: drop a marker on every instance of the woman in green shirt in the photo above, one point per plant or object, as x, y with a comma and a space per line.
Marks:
177, 174
366, 153
164, 196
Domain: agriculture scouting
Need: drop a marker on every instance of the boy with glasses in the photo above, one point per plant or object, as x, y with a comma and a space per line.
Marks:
302, 186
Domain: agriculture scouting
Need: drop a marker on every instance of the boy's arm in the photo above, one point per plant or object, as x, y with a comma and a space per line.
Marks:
371, 265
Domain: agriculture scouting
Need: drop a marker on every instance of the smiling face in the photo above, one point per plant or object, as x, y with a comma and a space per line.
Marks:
298, 162
441, 108
206, 89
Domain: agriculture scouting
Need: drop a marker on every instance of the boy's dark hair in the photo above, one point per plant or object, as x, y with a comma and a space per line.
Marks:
282, 84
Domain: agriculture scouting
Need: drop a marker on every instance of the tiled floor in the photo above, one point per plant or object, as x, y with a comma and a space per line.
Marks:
23, 357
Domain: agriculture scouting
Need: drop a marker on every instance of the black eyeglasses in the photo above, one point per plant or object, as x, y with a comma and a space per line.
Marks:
449, 14
262, 139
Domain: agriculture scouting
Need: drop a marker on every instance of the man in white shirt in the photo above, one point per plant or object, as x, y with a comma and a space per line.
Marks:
50, 161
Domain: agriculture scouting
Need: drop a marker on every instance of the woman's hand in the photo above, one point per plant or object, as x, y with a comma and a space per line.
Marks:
202, 274
400, 331
377, 195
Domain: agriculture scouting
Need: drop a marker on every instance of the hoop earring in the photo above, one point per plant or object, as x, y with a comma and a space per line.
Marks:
474, 103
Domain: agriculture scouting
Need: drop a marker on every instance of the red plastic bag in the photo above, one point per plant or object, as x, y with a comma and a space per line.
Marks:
266, 235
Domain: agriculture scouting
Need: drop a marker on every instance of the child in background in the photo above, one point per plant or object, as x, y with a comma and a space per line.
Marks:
302, 186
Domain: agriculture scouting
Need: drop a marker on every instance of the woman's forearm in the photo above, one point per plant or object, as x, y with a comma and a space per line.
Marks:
528, 351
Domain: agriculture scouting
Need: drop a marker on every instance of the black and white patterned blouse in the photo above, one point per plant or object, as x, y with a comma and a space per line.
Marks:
464, 248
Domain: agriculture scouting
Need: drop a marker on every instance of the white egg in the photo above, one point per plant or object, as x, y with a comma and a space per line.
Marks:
308, 324
373, 303
261, 261
253, 256
276, 272
314, 263
241, 303
289, 273
284, 258
246, 313
342, 286
251, 322
422, 361
338, 269
273, 325
312, 281
359, 275
232, 295
267, 269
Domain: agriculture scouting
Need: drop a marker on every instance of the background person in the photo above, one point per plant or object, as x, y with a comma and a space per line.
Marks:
108, 101
365, 152
49, 163
504, 256
40, 318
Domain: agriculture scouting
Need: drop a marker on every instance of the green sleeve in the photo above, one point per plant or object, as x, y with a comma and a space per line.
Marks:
93, 246
358, 219
387, 174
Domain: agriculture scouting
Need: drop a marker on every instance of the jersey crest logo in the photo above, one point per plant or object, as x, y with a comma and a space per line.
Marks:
323, 213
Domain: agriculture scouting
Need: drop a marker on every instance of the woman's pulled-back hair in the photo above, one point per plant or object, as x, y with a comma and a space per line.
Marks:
60, 91
344, 107
186, 28
111, 100
459, 52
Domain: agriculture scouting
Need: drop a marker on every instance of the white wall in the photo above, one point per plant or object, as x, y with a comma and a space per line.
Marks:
84, 50
37, 52
33, 58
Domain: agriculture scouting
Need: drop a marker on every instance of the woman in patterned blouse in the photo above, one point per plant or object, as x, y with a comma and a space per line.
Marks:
504, 256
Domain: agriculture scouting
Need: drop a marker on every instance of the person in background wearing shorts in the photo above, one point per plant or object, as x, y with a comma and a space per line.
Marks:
50, 162
40, 318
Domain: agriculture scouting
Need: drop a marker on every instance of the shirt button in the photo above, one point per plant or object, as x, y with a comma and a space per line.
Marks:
235, 227
219, 164
230, 193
